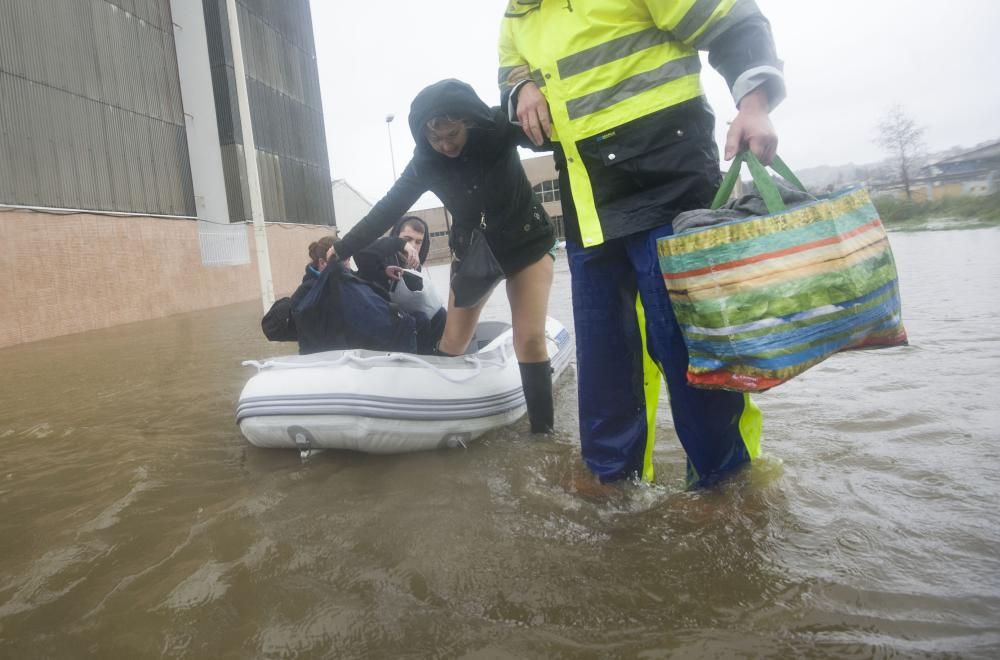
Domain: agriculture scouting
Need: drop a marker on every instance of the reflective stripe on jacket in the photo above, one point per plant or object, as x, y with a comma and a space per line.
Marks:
604, 64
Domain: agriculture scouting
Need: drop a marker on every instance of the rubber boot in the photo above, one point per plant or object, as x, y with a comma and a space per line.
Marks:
536, 379
439, 353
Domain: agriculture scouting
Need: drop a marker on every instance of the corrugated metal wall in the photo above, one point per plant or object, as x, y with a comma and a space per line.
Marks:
285, 107
90, 107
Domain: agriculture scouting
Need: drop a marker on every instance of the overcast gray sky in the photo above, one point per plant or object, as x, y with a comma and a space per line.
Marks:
846, 62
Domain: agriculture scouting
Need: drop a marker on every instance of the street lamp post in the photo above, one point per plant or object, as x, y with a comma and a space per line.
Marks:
392, 158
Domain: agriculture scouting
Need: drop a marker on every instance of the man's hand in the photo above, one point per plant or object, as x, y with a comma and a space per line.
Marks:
393, 272
533, 113
412, 254
752, 128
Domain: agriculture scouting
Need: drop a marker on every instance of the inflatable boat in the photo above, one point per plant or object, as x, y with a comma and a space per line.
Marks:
388, 403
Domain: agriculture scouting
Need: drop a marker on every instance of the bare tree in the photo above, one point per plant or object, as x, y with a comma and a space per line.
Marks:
903, 139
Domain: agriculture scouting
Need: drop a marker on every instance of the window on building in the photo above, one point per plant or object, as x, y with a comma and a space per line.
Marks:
547, 191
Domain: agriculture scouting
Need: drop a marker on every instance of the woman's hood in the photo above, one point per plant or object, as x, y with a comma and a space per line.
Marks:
447, 97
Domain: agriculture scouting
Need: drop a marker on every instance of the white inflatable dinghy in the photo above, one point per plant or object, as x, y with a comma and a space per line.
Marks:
388, 403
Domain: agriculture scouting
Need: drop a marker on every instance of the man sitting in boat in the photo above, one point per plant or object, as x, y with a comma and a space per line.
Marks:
317, 262
386, 262
406, 246
344, 311
278, 324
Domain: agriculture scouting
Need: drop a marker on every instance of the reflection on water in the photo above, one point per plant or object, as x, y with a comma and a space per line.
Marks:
136, 522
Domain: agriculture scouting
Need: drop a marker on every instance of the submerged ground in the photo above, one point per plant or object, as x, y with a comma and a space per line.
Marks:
136, 522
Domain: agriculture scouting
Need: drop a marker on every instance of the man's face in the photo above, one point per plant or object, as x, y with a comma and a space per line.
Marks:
414, 236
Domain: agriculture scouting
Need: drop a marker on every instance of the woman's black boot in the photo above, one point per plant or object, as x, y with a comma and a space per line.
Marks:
439, 353
536, 379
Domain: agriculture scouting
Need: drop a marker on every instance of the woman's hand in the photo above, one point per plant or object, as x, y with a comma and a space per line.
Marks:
533, 113
752, 128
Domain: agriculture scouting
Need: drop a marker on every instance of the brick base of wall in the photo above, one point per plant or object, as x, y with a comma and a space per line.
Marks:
67, 273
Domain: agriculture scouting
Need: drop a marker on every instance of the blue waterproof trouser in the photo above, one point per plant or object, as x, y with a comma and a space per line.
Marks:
719, 430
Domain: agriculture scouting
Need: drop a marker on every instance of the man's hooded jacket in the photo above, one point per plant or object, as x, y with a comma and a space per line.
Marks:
385, 252
342, 311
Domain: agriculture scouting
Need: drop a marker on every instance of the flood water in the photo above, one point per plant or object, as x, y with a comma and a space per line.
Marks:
136, 522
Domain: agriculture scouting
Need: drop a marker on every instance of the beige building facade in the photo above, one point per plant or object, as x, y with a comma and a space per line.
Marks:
541, 171
63, 273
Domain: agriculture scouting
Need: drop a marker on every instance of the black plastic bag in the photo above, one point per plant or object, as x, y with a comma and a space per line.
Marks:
278, 324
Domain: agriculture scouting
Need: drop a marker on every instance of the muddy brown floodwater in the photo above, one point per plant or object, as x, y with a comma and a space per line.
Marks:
136, 522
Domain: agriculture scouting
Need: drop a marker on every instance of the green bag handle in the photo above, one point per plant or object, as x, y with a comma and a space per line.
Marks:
765, 186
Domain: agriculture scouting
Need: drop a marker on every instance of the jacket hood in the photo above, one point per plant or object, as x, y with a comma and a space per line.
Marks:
446, 97
425, 248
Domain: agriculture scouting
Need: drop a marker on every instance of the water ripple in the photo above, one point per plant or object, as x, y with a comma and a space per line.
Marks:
137, 519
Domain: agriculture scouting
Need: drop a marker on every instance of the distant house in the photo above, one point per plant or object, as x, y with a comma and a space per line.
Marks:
349, 205
975, 171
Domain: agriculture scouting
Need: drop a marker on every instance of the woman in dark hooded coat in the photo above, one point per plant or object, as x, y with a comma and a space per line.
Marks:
466, 154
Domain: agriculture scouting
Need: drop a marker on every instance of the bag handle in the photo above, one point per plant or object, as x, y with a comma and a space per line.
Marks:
765, 186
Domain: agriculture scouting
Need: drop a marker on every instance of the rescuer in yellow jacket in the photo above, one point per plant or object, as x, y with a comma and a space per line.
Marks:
616, 86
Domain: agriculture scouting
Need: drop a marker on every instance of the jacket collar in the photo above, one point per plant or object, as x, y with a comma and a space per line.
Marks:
518, 8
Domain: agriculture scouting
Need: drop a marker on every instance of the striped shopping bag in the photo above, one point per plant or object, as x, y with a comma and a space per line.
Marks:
761, 300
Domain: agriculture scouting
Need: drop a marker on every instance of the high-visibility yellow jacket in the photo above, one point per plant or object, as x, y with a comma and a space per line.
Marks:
622, 79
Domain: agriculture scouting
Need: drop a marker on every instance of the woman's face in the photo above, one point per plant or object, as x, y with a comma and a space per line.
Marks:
448, 140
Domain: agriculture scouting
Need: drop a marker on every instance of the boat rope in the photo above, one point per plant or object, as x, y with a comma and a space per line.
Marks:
347, 358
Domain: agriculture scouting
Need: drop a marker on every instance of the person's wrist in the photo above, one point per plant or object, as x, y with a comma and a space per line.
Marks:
515, 96
521, 84
756, 102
